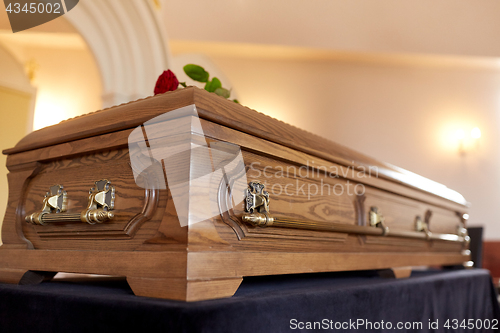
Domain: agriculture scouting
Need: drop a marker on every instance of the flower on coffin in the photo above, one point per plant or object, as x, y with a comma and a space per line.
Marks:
168, 81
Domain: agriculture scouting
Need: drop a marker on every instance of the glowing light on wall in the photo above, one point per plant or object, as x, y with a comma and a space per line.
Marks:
460, 134
50, 109
468, 142
460, 137
475, 133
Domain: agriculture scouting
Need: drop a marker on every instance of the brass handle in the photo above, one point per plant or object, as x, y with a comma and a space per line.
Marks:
101, 202
89, 216
257, 214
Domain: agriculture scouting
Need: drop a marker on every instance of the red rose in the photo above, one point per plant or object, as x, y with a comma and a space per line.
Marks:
166, 82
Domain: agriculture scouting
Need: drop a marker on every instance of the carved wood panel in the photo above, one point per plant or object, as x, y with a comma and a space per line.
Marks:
133, 205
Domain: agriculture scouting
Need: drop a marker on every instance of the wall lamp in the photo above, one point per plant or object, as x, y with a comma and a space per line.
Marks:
468, 141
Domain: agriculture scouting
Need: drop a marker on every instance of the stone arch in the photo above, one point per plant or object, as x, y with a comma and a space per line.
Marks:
128, 41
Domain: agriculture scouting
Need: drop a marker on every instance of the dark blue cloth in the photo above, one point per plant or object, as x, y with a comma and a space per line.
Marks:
261, 304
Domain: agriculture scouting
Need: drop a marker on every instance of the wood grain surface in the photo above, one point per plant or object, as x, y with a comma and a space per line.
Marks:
147, 242
222, 111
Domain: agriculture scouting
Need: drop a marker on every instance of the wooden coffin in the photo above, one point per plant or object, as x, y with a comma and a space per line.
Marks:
185, 193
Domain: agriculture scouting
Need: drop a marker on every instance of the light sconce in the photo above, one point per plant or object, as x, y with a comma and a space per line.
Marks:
31, 67
468, 142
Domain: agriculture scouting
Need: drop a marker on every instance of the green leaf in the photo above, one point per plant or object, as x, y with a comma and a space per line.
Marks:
196, 72
222, 92
183, 84
211, 86
236, 101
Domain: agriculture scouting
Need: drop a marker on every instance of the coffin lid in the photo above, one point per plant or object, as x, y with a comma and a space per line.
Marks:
222, 111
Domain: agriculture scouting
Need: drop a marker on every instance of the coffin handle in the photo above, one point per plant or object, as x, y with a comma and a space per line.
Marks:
257, 214
99, 209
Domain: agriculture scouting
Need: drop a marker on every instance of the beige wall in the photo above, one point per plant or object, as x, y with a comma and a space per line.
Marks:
399, 112
14, 114
67, 80
388, 26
